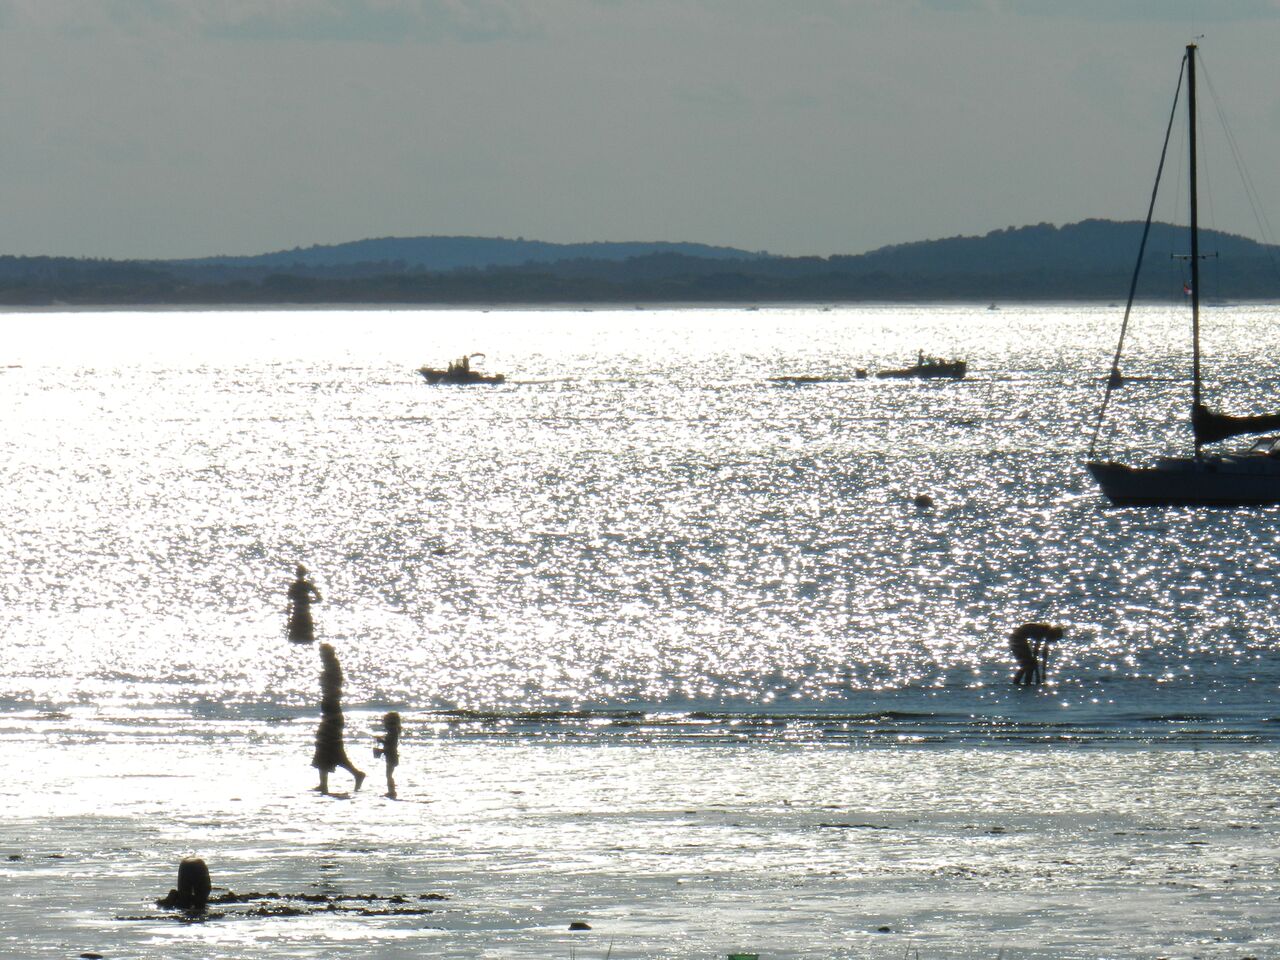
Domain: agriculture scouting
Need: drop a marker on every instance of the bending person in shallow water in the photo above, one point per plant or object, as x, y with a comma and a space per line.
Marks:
302, 592
330, 752
1029, 645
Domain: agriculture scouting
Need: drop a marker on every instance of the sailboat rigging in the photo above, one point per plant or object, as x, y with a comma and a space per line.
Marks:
1218, 479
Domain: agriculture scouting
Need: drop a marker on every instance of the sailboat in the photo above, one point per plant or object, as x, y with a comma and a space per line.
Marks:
1250, 477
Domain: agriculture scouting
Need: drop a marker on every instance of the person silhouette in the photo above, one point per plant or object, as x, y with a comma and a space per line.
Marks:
389, 749
330, 753
301, 594
1029, 645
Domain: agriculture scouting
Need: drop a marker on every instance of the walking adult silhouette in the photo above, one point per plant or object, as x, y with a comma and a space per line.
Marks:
330, 752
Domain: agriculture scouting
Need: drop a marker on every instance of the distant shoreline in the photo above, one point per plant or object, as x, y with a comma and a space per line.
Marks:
561, 306
1088, 262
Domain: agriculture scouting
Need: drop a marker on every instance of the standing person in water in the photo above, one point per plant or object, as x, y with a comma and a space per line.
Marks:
301, 594
330, 752
389, 749
1029, 645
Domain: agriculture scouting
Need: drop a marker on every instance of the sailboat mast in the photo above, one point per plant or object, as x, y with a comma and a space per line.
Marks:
1195, 234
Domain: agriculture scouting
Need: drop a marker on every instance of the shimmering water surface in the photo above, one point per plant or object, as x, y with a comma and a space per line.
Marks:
636, 522
676, 651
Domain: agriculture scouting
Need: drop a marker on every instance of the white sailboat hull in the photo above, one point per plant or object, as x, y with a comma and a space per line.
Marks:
1224, 481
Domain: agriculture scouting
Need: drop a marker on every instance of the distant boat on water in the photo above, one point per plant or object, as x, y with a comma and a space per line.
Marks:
928, 368
1250, 477
459, 372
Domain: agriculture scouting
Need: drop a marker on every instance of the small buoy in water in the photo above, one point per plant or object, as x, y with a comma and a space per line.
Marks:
924, 501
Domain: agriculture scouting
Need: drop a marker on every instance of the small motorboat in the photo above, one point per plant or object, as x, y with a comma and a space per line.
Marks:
929, 368
459, 371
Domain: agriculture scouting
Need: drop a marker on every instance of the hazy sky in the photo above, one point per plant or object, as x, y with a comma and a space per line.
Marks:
165, 128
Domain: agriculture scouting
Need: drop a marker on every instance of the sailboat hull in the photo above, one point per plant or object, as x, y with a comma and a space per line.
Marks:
1248, 480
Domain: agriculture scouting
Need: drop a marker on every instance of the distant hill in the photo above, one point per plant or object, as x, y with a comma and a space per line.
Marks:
1090, 260
442, 254
1090, 245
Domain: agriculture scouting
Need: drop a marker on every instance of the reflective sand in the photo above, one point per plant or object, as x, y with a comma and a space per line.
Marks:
665, 851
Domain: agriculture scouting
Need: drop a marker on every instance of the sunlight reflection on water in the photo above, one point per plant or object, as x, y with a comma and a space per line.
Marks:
636, 519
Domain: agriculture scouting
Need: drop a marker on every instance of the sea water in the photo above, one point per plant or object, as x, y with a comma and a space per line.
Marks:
674, 644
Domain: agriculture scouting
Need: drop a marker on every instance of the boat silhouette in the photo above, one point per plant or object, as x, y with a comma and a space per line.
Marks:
928, 368
459, 371
1249, 477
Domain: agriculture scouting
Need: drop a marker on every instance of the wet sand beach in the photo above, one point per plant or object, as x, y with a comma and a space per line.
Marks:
674, 851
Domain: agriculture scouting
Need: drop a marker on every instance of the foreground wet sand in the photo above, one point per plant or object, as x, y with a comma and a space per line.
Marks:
671, 851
